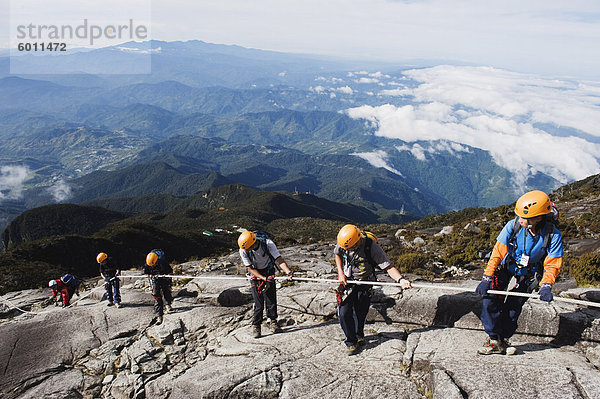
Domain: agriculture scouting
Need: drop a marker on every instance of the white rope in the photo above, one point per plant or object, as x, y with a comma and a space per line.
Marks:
325, 280
203, 277
555, 298
414, 285
12, 305
79, 298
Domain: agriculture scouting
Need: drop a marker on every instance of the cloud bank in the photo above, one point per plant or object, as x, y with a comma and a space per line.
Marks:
60, 191
378, 159
527, 123
11, 181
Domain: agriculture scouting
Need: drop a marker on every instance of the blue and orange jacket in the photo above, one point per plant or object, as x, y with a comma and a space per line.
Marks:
530, 245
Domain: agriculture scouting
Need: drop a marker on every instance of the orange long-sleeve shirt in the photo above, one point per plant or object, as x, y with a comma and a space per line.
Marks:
552, 265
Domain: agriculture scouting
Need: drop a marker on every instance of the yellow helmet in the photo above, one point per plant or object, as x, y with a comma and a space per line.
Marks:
151, 259
532, 204
246, 240
348, 236
101, 257
372, 236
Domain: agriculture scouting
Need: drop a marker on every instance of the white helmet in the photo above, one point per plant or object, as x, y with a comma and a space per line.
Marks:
52, 283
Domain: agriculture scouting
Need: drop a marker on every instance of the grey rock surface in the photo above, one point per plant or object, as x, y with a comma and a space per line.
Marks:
420, 343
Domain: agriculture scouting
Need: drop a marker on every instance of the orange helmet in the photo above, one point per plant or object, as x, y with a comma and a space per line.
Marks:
246, 240
101, 257
348, 236
532, 204
151, 259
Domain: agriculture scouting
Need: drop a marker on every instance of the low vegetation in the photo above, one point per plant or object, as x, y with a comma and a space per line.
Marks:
415, 247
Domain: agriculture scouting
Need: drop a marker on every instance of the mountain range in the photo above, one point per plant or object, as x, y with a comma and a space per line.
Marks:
211, 114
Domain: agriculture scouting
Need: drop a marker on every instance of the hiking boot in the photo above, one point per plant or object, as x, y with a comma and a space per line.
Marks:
109, 303
275, 327
492, 346
352, 350
509, 349
159, 320
361, 342
118, 305
168, 308
256, 331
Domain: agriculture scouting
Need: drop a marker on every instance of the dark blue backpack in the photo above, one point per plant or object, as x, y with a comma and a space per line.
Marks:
71, 281
160, 253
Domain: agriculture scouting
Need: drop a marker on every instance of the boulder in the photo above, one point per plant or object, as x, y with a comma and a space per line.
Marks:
233, 297
446, 230
418, 241
471, 228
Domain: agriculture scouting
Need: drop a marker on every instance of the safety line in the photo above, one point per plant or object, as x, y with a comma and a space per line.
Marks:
12, 305
414, 285
325, 280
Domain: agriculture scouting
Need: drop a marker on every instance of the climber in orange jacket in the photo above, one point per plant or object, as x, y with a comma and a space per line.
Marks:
527, 255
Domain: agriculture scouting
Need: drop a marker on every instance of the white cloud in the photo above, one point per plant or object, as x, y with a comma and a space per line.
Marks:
395, 92
418, 150
317, 89
502, 112
378, 159
367, 80
11, 181
379, 75
60, 191
344, 89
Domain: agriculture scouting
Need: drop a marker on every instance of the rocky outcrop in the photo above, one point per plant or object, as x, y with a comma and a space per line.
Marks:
420, 343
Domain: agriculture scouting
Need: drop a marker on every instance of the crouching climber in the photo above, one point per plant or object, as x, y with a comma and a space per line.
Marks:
527, 254
110, 273
260, 256
157, 265
356, 256
61, 292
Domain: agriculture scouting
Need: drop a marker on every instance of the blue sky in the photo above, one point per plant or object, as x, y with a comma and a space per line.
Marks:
555, 38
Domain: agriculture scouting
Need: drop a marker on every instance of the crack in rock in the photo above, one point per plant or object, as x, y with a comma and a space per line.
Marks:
580, 389
12, 351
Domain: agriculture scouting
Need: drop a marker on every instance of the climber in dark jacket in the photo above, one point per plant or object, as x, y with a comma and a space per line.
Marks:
157, 265
110, 273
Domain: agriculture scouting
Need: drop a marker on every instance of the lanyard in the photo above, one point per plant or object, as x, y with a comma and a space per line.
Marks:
525, 243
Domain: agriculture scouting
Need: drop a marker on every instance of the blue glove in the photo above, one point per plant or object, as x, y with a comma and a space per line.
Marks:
546, 292
485, 285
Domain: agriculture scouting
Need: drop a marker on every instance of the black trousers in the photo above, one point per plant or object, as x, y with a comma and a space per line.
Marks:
352, 313
268, 299
161, 287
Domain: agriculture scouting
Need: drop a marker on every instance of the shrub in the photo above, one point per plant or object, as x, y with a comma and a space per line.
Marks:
586, 271
410, 262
